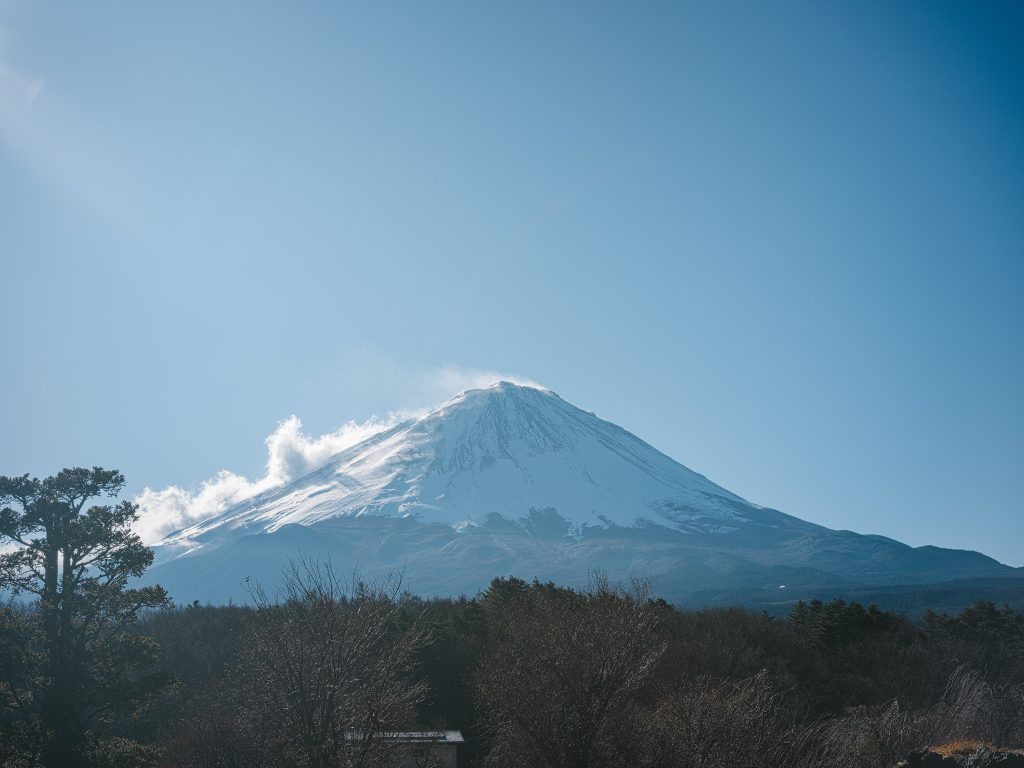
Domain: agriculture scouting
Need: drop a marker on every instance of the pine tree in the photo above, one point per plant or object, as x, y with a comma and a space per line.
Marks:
77, 560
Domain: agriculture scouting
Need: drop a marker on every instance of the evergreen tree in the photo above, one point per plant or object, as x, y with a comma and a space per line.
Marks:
77, 560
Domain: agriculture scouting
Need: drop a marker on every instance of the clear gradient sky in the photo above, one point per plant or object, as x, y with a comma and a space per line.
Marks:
782, 242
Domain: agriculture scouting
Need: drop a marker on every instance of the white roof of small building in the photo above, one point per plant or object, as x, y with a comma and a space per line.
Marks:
434, 737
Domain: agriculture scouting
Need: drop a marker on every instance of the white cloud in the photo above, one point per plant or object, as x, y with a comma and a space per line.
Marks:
171, 508
292, 454
449, 380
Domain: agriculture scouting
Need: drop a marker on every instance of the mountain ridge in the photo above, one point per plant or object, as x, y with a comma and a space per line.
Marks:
418, 466
514, 479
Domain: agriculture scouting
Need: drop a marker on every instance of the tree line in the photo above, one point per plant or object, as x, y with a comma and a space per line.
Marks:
313, 671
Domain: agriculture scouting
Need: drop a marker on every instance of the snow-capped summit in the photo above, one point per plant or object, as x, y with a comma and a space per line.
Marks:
513, 479
505, 450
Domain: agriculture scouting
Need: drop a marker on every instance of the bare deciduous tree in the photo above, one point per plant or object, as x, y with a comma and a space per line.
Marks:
560, 679
872, 736
330, 668
703, 724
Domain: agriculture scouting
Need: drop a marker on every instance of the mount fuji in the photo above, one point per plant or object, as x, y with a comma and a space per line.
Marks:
514, 480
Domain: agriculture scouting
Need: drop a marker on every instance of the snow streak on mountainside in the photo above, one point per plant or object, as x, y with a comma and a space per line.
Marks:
506, 450
514, 480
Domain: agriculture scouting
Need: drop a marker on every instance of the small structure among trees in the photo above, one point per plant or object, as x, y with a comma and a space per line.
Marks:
420, 749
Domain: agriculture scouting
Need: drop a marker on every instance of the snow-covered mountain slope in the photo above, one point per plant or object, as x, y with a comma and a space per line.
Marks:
513, 479
504, 450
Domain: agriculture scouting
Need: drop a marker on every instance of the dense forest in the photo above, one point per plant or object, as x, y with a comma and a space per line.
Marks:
313, 670
537, 674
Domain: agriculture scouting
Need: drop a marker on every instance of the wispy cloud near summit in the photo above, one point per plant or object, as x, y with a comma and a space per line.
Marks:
452, 379
292, 454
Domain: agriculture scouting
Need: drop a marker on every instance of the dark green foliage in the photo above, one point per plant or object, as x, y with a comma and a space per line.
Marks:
838, 623
857, 656
730, 644
992, 637
75, 670
457, 632
22, 664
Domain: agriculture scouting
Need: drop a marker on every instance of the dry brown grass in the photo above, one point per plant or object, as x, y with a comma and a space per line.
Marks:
969, 747
960, 747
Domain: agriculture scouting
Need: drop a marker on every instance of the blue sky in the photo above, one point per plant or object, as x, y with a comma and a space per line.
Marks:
783, 243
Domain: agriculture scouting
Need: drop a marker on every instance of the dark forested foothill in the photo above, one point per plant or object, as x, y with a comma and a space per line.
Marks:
557, 677
313, 670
